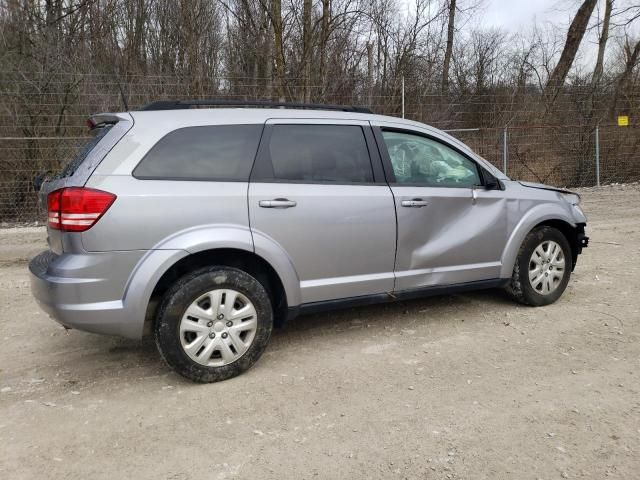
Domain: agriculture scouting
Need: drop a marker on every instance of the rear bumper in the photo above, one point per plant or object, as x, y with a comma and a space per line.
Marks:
86, 291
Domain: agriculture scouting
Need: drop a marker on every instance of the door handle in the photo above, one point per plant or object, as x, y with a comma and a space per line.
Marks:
277, 203
415, 203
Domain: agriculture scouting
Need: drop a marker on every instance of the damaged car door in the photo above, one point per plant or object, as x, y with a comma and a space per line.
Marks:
451, 212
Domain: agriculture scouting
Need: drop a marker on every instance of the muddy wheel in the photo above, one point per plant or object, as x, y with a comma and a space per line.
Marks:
214, 324
542, 269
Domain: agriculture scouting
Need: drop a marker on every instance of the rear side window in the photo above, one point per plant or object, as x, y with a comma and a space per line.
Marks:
220, 152
320, 154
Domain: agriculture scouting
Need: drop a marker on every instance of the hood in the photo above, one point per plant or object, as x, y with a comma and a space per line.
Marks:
542, 186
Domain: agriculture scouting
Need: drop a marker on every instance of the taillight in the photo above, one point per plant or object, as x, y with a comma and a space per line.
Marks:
76, 209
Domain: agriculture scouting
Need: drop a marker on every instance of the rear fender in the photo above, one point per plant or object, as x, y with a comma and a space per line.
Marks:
182, 244
271, 251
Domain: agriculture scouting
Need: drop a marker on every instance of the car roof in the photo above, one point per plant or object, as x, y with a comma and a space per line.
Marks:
259, 115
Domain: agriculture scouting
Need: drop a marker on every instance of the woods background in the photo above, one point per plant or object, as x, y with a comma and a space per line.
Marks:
541, 99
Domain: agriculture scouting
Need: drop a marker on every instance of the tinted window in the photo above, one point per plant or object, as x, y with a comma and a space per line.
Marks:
320, 153
72, 166
222, 152
422, 161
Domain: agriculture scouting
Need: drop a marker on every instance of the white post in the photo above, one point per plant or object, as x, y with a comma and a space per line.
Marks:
504, 150
403, 96
597, 155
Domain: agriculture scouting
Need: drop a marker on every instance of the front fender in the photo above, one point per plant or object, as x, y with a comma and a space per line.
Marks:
534, 216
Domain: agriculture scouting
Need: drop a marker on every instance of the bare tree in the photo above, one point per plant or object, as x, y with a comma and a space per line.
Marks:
631, 55
574, 38
306, 50
602, 43
325, 20
449, 50
278, 43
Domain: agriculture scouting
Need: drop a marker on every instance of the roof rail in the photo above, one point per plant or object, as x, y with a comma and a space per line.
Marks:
185, 104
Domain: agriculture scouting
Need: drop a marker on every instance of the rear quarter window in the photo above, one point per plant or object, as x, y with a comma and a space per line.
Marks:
71, 167
220, 152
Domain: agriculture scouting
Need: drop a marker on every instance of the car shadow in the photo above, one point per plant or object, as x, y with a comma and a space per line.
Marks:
100, 356
394, 312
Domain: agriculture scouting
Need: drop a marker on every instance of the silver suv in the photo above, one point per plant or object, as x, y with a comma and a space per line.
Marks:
208, 226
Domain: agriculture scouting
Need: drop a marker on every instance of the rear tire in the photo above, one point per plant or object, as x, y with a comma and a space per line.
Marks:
214, 324
542, 269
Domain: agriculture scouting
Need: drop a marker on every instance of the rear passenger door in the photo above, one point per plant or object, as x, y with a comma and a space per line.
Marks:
317, 193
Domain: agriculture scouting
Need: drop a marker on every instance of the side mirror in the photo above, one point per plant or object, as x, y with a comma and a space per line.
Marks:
491, 182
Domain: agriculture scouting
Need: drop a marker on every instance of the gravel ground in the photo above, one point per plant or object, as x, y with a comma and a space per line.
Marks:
461, 386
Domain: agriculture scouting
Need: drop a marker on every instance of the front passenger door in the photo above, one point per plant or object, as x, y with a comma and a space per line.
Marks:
450, 229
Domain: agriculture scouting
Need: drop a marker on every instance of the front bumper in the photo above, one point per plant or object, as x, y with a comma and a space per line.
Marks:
85, 291
581, 241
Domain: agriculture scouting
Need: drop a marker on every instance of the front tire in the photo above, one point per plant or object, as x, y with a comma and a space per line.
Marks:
214, 324
542, 269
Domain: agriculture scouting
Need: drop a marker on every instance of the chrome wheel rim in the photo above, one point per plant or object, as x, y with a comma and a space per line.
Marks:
218, 327
547, 267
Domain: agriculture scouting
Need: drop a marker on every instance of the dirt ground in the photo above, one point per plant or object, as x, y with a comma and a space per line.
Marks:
454, 387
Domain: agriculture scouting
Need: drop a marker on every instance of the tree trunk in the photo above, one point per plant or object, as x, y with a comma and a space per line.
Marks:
602, 44
306, 51
267, 54
449, 50
276, 20
324, 38
369, 74
574, 38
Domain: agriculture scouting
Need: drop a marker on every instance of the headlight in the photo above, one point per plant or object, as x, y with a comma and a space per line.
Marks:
572, 198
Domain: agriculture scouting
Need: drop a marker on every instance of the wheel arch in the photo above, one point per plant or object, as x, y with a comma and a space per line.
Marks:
244, 260
543, 215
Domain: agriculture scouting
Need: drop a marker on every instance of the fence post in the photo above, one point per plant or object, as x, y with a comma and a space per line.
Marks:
597, 155
505, 134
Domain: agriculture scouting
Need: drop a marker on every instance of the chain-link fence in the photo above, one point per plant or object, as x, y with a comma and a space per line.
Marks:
42, 125
569, 155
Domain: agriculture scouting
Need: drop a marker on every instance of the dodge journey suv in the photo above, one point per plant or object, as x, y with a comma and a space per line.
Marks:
205, 227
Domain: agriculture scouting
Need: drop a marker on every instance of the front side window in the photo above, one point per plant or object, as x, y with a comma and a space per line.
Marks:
218, 152
421, 161
320, 154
